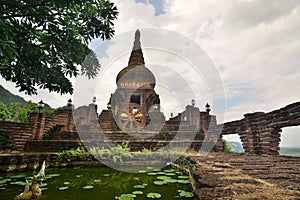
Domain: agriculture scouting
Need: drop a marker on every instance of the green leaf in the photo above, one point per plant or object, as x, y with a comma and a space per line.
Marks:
152, 174
63, 188
88, 187
159, 182
18, 176
153, 195
139, 186
127, 197
186, 194
137, 192
183, 181
184, 177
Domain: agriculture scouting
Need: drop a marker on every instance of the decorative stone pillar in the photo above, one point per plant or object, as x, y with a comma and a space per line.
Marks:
250, 132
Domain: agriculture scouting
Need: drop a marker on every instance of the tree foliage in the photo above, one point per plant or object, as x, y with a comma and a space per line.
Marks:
44, 42
17, 112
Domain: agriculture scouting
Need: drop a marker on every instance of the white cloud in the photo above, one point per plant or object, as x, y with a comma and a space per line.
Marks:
255, 45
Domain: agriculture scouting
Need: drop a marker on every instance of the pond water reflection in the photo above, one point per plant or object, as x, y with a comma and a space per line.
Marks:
100, 183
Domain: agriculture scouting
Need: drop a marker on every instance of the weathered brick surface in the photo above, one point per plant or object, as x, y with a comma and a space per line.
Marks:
259, 132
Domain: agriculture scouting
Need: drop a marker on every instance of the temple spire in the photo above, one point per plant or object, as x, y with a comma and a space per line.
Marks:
136, 57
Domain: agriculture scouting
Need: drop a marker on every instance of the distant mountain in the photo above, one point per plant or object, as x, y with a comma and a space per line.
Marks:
290, 151
237, 147
7, 97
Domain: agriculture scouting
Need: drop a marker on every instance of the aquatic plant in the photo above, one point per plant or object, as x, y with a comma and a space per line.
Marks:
78, 154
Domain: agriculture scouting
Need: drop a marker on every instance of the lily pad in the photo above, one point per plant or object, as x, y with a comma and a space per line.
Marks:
183, 181
170, 180
63, 188
152, 174
170, 174
153, 195
159, 182
161, 173
43, 185
163, 177
137, 192
18, 176
53, 175
106, 175
67, 183
22, 183
169, 170
127, 197
186, 194
44, 188
142, 171
183, 177
139, 186
88, 187
79, 175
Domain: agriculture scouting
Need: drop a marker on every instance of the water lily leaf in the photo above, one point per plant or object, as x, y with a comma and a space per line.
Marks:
1, 177
63, 188
159, 182
30, 177
97, 180
18, 176
142, 171
88, 187
53, 175
170, 180
22, 183
139, 186
137, 192
44, 188
127, 197
79, 175
153, 195
183, 181
169, 170
2, 181
183, 177
106, 175
161, 173
157, 170
163, 177
3, 185
186, 194
178, 172
152, 174
43, 185
170, 174
67, 183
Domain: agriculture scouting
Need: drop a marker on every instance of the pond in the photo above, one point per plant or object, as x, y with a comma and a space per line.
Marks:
101, 183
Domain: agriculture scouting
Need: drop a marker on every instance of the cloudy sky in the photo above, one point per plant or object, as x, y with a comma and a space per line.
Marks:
254, 46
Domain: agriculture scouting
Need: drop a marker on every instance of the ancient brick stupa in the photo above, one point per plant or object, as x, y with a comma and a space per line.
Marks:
135, 104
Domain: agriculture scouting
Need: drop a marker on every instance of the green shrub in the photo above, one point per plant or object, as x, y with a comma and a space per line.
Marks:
227, 148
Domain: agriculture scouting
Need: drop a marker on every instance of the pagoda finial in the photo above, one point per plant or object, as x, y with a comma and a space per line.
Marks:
136, 57
137, 43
